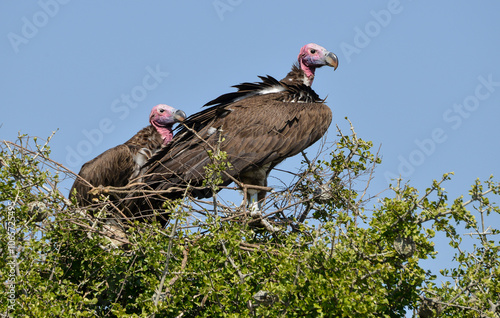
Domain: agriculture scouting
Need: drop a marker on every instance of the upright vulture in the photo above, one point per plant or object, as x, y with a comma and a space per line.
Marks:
258, 126
122, 164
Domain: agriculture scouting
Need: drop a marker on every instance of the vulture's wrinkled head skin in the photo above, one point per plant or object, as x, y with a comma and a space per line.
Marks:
164, 116
312, 56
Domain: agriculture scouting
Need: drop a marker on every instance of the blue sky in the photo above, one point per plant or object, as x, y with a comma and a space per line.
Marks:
420, 79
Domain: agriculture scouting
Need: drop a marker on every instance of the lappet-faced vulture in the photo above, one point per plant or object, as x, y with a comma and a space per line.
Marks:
124, 163
258, 126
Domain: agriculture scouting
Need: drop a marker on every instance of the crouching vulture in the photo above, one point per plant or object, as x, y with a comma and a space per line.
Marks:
258, 126
122, 164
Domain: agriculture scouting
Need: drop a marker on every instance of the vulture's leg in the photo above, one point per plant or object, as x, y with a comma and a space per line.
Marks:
253, 203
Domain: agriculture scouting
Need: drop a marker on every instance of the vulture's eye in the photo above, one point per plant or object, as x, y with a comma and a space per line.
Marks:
162, 110
313, 51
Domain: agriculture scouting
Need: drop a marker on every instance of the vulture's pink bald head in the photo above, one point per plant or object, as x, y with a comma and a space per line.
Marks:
312, 56
163, 117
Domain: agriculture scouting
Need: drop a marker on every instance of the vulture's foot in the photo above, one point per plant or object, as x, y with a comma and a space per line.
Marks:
254, 209
256, 213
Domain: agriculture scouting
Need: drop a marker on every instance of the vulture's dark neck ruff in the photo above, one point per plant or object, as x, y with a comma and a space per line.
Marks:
292, 87
296, 76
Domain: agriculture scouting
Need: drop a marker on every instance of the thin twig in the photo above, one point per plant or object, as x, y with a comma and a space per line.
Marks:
169, 255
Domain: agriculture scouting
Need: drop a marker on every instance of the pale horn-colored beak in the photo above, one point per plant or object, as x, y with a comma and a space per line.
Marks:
332, 60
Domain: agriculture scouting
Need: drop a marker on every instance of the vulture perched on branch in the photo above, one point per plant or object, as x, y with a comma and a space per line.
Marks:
123, 164
258, 126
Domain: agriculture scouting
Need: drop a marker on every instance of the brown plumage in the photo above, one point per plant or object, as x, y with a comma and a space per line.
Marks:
122, 164
258, 127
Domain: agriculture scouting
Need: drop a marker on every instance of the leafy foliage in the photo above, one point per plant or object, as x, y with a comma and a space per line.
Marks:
332, 257
214, 170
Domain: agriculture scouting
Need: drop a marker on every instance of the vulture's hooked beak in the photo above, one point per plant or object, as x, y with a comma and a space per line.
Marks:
179, 115
332, 60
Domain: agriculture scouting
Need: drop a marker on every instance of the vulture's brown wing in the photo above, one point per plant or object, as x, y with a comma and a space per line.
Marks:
112, 167
118, 166
256, 131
